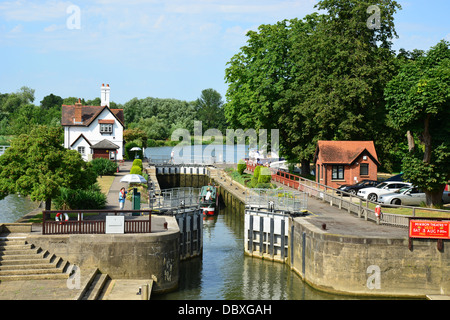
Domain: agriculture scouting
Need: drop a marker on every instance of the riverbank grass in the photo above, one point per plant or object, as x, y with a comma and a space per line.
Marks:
105, 183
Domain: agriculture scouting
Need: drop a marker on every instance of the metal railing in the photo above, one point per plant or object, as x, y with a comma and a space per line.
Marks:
162, 160
352, 203
277, 200
94, 226
176, 199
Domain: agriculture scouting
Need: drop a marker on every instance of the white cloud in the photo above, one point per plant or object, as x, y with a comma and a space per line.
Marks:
27, 11
17, 29
52, 28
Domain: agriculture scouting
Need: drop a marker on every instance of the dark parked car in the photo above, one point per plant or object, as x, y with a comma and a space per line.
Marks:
398, 177
354, 188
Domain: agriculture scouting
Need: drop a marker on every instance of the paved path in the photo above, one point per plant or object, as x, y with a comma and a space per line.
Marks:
113, 195
339, 221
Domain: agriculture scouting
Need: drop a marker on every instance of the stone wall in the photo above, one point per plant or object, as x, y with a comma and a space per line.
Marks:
368, 266
122, 256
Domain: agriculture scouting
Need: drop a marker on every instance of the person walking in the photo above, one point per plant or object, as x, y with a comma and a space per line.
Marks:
122, 197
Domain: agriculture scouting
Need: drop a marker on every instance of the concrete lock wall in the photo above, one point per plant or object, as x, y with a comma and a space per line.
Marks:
368, 266
266, 235
122, 256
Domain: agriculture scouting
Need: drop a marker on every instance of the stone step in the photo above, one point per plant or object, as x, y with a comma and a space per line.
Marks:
16, 250
10, 247
9, 262
96, 287
8, 242
20, 260
46, 276
34, 264
31, 271
37, 254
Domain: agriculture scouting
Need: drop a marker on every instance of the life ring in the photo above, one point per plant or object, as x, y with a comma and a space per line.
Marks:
378, 211
58, 217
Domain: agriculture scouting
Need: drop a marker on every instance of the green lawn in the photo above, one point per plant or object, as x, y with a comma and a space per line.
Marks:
105, 183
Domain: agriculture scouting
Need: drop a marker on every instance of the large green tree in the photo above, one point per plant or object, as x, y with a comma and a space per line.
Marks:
37, 165
209, 110
164, 114
418, 101
321, 77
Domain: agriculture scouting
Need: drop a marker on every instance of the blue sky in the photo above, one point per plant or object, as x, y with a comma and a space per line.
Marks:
155, 48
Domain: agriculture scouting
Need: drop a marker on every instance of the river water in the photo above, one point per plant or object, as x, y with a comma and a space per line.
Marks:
225, 273
14, 207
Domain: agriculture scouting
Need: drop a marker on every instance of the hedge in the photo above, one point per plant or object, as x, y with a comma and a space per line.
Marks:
70, 199
104, 167
138, 163
136, 170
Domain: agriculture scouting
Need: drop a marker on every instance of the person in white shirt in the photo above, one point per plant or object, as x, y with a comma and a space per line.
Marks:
208, 195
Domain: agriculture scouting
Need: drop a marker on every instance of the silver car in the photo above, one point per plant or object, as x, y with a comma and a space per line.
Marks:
409, 196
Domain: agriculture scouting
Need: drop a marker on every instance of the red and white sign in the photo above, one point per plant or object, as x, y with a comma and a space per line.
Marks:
429, 229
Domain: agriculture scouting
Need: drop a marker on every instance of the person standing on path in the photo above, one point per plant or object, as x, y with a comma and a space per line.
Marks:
122, 197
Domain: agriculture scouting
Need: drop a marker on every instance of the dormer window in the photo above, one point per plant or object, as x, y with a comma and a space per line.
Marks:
106, 128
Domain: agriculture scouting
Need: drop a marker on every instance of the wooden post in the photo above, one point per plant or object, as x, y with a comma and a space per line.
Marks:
43, 221
360, 208
367, 210
350, 203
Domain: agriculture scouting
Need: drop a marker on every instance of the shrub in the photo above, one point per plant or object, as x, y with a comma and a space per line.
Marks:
138, 163
264, 175
257, 171
264, 186
104, 167
135, 170
131, 154
70, 199
241, 167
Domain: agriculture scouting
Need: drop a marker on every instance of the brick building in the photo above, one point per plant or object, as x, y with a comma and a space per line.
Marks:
345, 162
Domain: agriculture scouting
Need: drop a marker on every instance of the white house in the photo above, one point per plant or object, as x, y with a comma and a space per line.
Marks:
94, 131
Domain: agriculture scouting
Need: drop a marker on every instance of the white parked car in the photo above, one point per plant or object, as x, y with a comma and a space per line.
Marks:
409, 196
373, 193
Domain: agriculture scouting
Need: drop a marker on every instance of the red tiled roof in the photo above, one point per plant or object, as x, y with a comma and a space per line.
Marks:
344, 152
88, 114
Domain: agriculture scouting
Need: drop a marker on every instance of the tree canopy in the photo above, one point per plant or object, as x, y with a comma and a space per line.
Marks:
320, 77
418, 102
37, 165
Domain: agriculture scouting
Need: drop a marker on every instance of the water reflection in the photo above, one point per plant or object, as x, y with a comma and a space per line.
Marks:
225, 273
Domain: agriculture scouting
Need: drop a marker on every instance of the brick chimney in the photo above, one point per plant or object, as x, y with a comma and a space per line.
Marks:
78, 113
104, 97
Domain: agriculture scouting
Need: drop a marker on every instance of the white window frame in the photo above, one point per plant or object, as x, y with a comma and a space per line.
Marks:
106, 128
81, 150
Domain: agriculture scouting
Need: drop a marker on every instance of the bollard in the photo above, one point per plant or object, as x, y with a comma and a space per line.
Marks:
378, 213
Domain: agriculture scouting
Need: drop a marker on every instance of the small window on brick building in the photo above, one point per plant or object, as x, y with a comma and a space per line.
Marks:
364, 169
338, 173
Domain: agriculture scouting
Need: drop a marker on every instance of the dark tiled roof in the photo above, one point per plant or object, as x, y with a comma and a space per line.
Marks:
88, 115
105, 144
